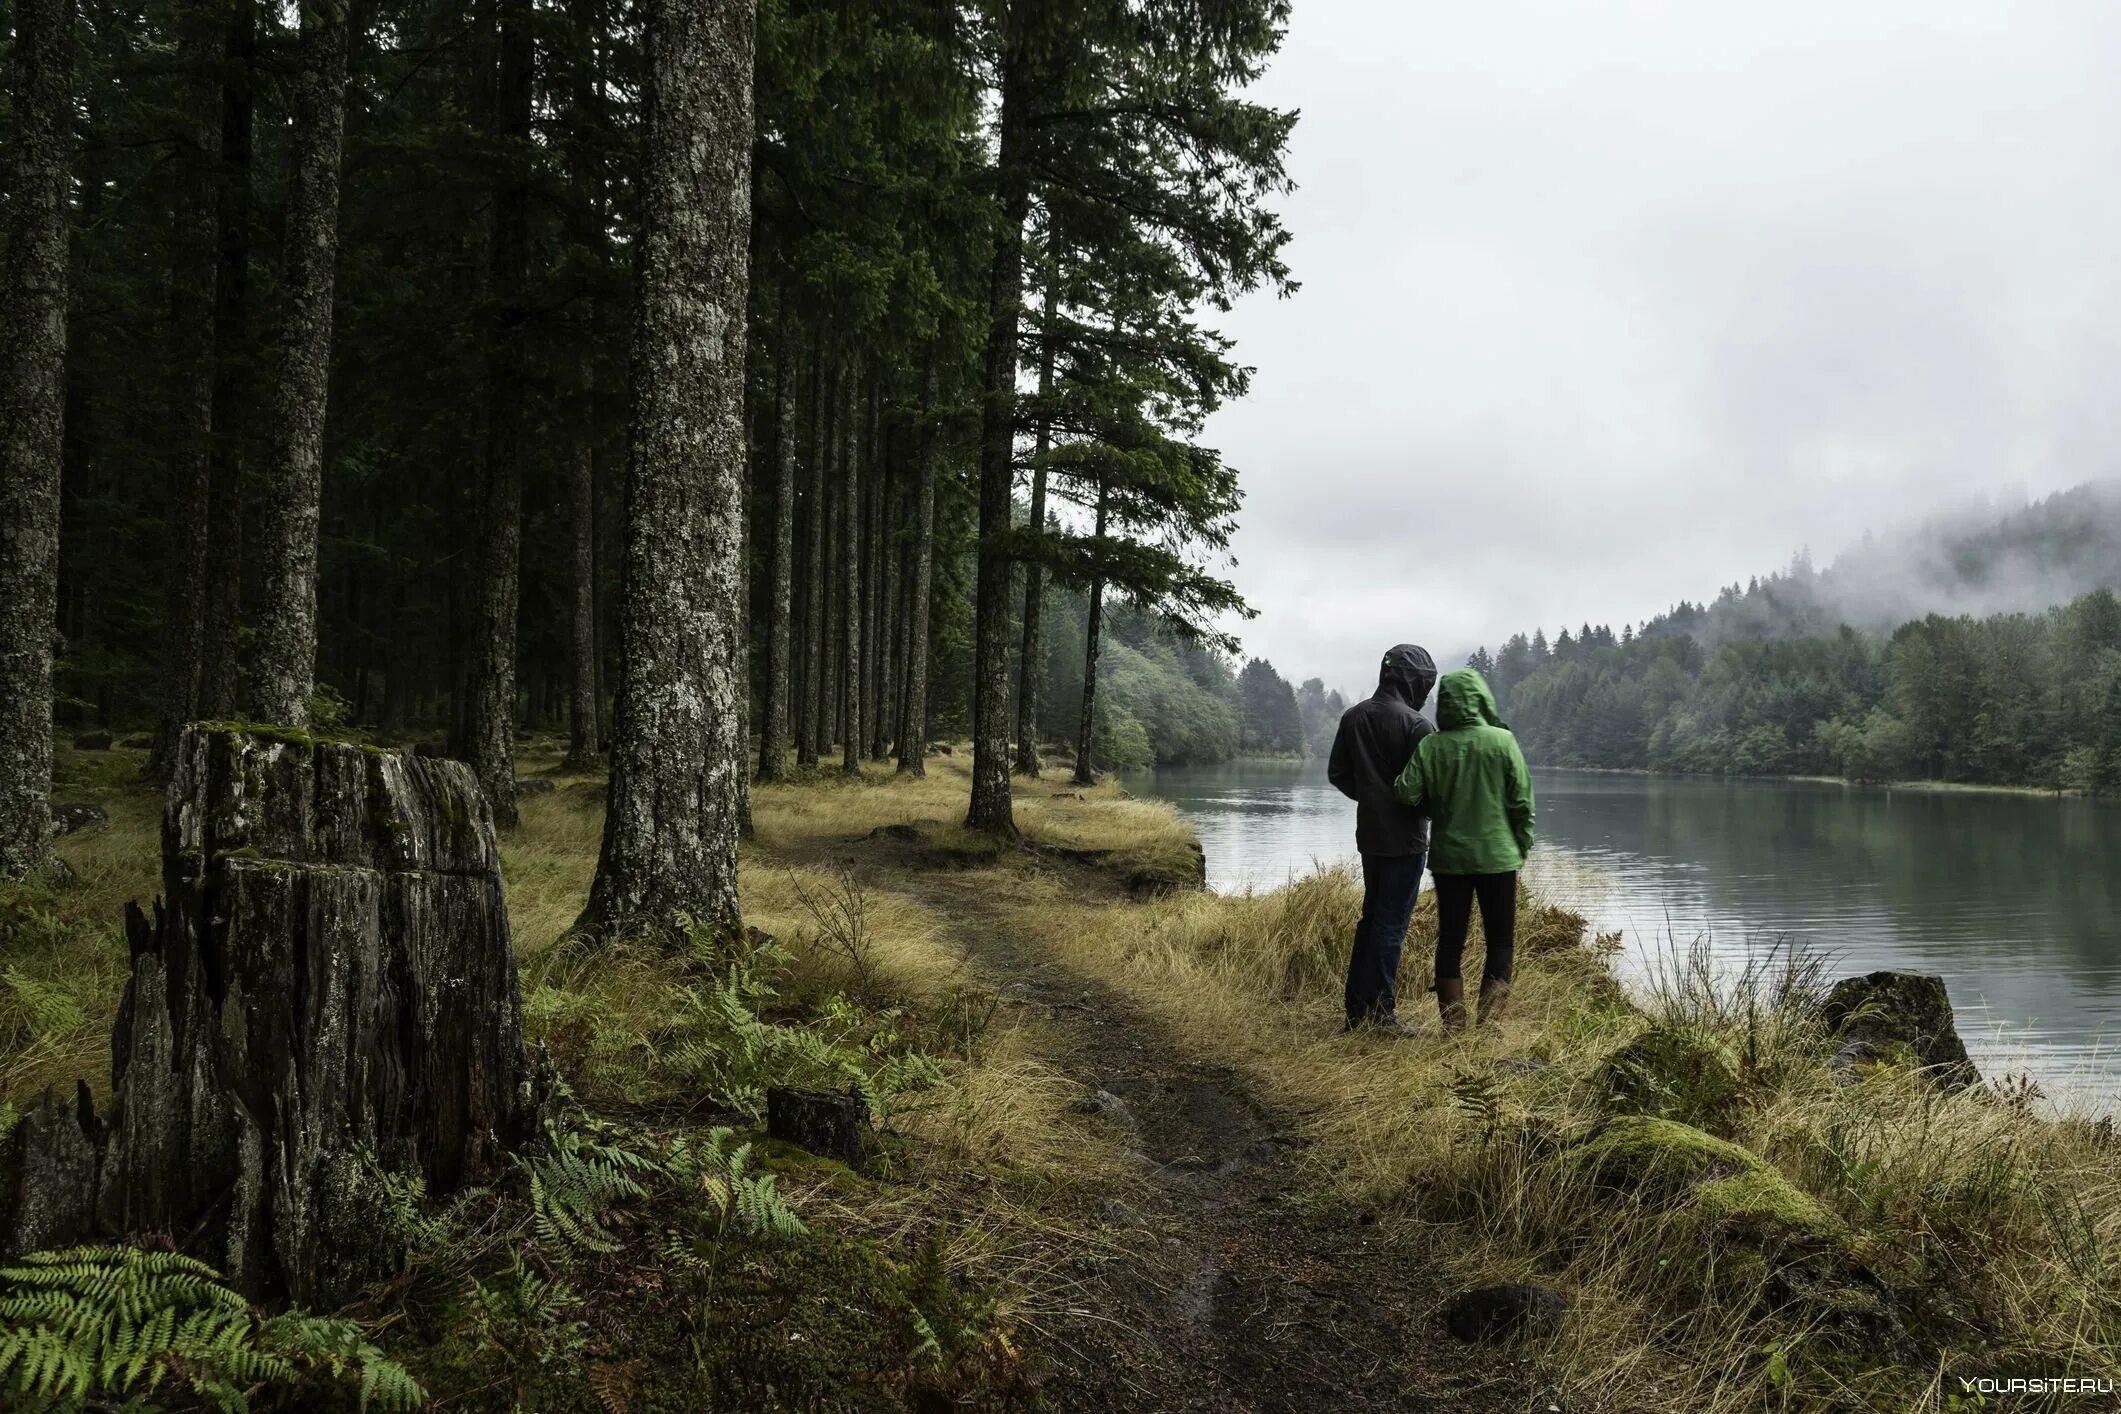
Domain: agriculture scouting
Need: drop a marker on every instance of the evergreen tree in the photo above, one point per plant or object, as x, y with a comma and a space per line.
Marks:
671, 825
33, 287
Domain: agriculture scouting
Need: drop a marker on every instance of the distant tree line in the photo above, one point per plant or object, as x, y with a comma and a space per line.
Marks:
2010, 699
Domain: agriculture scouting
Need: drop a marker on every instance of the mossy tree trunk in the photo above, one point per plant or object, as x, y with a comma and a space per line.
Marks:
33, 288
672, 824
284, 668
325, 1001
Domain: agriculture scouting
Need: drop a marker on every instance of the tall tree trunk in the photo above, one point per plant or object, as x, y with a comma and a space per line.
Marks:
285, 667
582, 736
888, 607
990, 809
831, 722
670, 832
811, 711
1093, 634
490, 721
851, 580
233, 384
33, 287
873, 472
1030, 669
913, 718
194, 268
780, 581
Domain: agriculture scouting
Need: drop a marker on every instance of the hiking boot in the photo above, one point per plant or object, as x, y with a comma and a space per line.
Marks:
1451, 1003
1494, 999
1382, 1026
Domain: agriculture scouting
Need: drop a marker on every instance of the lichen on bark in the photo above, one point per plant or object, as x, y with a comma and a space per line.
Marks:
674, 814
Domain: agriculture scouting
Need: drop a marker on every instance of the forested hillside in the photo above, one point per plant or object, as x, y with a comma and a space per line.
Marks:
1858, 670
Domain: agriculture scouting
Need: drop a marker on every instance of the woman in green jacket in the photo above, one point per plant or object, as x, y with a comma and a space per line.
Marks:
1471, 779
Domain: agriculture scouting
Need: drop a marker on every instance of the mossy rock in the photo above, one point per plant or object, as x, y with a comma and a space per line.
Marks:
1650, 1153
1674, 1072
1736, 1192
1889, 1017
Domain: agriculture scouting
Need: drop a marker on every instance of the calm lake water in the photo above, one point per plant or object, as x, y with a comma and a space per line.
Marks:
2014, 900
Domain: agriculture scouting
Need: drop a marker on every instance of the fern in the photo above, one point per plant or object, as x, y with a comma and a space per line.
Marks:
575, 1182
117, 1323
749, 1205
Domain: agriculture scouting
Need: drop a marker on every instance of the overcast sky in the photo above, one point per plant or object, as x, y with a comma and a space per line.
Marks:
1606, 304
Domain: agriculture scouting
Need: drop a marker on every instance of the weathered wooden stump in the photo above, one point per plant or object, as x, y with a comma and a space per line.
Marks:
832, 1124
324, 1003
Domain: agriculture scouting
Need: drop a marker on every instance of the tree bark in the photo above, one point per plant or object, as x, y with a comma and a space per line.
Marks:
913, 719
851, 596
1030, 670
810, 711
583, 749
326, 995
888, 606
990, 808
1085, 770
33, 299
780, 581
490, 722
671, 827
194, 268
232, 383
284, 670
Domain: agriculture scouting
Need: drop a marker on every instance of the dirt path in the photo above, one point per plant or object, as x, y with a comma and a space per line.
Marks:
1236, 1290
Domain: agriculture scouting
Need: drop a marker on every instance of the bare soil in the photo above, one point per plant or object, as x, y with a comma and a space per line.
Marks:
1238, 1286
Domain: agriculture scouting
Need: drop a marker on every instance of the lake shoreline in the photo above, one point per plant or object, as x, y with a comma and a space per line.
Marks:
1934, 787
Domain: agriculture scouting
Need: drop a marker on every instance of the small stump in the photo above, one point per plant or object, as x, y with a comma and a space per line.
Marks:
832, 1124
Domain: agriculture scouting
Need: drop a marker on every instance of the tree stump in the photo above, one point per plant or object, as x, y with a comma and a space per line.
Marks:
829, 1123
323, 1008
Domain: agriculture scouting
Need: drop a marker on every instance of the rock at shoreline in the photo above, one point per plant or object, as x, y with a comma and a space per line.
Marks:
1676, 1072
1491, 1315
1739, 1193
1887, 1016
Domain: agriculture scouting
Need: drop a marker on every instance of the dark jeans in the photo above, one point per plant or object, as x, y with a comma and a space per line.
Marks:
1454, 919
1389, 883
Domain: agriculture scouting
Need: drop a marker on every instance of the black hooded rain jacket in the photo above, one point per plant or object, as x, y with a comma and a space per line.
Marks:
1376, 739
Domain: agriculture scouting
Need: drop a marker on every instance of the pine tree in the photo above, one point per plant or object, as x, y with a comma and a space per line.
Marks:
284, 667
33, 310
671, 827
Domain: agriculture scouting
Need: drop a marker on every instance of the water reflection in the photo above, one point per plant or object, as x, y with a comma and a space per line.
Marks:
2013, 899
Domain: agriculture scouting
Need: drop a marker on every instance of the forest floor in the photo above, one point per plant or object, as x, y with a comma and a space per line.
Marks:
1127, 1160
1238, 1284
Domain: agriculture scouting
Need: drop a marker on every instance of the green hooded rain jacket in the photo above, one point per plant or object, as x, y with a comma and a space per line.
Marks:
1471, 779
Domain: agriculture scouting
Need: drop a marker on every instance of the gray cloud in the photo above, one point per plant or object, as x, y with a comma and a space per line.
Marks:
1605, 306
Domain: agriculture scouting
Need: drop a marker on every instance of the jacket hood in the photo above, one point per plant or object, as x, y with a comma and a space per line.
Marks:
1466, 702
1408, 673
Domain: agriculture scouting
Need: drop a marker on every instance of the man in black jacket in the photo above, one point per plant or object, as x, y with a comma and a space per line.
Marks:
1376, 739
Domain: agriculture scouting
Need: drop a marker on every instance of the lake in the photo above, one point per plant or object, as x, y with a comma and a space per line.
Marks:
2014, 899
